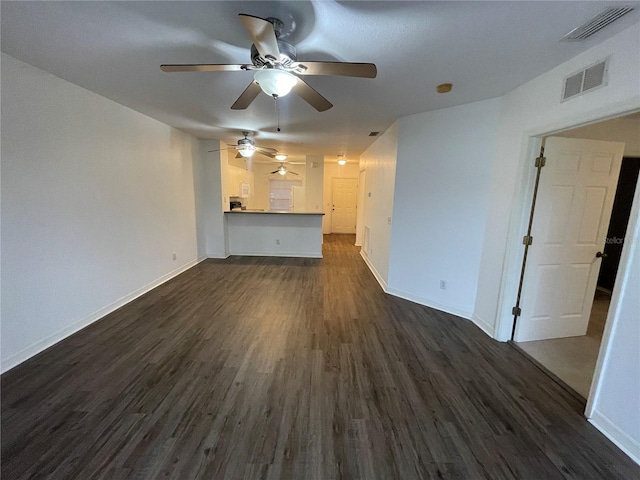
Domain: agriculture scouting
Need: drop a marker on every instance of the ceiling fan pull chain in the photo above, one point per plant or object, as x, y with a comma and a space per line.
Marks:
275, 99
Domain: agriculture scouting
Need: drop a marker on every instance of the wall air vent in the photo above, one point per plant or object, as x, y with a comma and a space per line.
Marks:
374, 134
597, 23
585, 80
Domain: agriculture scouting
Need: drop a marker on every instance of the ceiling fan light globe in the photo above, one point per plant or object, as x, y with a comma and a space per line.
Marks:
342, 161
281, 157
275, 82
247, 150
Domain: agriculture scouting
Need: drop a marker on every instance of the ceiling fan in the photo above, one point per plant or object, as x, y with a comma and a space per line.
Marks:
282, 170
275, 63
246, 148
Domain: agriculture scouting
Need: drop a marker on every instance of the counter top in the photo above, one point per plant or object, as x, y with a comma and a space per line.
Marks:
274, 212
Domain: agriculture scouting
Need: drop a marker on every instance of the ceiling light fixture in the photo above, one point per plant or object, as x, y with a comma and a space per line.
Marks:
275, 82
281, 157
341, 160
246, 150
282, 170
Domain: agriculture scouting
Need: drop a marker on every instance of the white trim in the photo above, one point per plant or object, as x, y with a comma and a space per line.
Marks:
483, 325
217, 255
430, 303
512, 258
623, 441
26, 353
377, 275
611, 322
276, 254
420, 300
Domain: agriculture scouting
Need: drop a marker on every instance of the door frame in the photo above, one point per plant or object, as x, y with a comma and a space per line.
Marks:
519, 218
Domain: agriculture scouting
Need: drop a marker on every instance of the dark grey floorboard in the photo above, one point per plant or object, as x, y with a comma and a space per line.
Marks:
271, 368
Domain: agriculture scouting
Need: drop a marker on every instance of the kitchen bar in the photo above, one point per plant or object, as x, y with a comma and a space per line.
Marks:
274, 233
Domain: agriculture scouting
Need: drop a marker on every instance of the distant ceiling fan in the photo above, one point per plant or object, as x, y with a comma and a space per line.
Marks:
274, 63
282, 170
246, 148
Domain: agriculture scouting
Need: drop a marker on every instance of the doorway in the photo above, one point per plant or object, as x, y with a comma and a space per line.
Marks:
344, 196
572, 359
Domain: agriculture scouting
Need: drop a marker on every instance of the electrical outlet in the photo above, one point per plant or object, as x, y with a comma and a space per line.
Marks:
175, 257
443, 284
277, 241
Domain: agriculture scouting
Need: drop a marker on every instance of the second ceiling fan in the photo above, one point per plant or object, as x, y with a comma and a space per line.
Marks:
275, 63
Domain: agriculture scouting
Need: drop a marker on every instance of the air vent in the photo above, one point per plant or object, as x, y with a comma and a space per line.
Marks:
374, 134
585, 80
597, 23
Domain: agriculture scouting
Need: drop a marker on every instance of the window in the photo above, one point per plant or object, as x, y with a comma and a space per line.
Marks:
280, 194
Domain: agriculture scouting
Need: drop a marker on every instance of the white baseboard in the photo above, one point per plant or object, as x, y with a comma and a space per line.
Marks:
623, 441
485, 326
217, 255
37, 347
430, 303
375, 272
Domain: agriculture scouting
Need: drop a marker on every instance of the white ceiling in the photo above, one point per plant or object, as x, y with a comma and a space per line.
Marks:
116, 48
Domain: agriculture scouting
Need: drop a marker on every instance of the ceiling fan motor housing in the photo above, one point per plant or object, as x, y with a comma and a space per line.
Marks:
245, 141
287, 56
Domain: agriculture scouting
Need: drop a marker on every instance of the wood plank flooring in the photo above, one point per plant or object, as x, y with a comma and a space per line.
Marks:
271, 368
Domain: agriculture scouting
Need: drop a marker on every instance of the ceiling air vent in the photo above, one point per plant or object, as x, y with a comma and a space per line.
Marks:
585, 80
597, 23
374, 134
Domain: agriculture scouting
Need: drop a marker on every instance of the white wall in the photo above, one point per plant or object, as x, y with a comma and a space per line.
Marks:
616, 399
440, 204
362, 188
314, 179
331, 171
211, 201
96, 198
379, 162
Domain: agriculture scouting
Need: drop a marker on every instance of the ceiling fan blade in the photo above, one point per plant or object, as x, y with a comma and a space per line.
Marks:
346, 69
221, 149
202, 67
292, 173
266, 154
248, 96
267, 149
312, 97
262, 35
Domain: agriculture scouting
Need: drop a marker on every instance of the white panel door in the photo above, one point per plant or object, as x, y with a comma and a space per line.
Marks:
344, 197
575, 197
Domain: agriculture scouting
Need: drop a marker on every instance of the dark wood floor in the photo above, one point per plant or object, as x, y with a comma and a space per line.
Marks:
291, 368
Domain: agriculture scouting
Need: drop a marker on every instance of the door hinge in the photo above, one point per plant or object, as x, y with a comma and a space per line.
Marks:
527, 240
541, 161
517, 311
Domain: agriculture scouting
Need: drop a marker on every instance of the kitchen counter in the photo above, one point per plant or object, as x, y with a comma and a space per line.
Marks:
268, 233
276, 212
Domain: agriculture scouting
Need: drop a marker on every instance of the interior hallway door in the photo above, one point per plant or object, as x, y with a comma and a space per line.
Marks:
344, 198
575, 197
